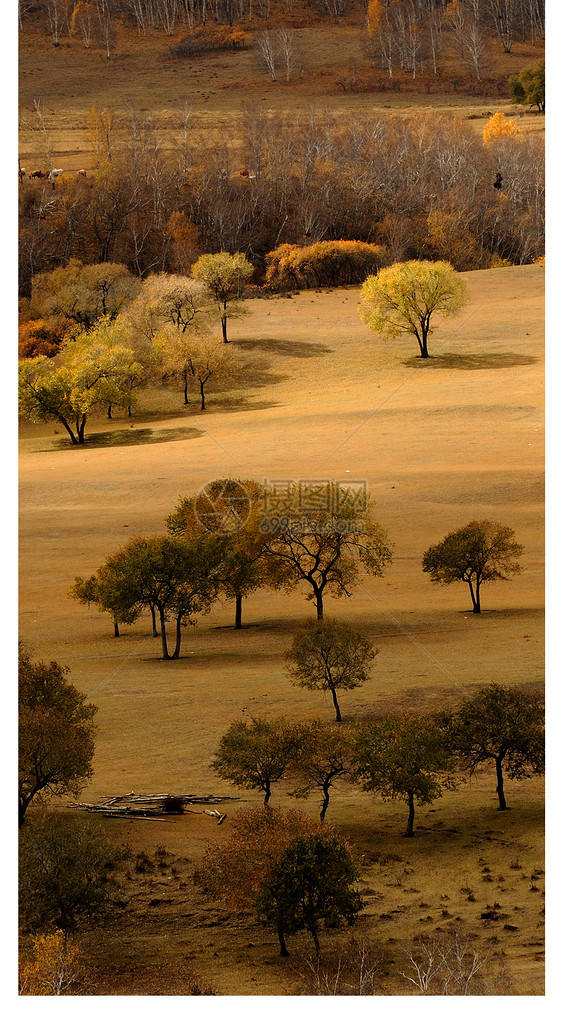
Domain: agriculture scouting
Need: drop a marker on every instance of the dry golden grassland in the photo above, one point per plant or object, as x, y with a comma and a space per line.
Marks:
440, 442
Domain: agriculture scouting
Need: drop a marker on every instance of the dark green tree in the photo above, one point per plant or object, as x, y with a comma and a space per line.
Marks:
56, 732
330, 656
528, 87
503, 725
254, 756
64, 870
175, 578
101, 590
310, 886
480, 551
404, 757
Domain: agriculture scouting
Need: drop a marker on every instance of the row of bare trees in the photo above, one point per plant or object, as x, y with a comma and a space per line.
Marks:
423, 187
508, 20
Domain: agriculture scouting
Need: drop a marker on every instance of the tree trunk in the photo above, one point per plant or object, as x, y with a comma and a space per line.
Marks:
115, 629
202, 386
475, 595
238, 613
185, 399
336, 705
176, 653
154, 627
109, 416
68, 430
267, 796
282, 945
81, 428
223, 323
325, 802
410, 827
314, 935
163, 634
319, 604
499, 786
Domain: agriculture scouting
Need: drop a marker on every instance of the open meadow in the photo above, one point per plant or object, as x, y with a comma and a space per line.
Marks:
440, 442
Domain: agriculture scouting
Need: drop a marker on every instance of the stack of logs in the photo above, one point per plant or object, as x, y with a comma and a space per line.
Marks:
146, 807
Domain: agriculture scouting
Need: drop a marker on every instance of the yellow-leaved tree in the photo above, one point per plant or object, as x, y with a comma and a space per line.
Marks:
498, 126
403, 298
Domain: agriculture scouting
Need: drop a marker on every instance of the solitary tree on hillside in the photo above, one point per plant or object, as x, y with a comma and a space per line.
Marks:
330, 656
108, 595
56, 732
404, 757
480, 551
224, 276
504, 725
254, 756
403, 298
324, 543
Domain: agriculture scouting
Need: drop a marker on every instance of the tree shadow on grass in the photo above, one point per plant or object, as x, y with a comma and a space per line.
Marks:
127, 438
471, 361
296, 349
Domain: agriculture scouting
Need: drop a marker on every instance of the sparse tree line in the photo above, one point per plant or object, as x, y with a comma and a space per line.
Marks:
326, 552
507, 21
293, 873
419, 188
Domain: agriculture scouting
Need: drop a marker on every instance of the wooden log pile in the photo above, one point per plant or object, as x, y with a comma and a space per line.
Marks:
147, 807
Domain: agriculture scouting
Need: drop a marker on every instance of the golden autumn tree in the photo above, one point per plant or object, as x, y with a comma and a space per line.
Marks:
498, 126
56, 967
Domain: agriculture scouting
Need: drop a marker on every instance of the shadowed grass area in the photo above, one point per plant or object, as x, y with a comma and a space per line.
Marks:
127, 438
471, 361
297, 349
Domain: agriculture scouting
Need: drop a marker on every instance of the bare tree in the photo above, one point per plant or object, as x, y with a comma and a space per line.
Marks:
287, 48
57, 18
268, 52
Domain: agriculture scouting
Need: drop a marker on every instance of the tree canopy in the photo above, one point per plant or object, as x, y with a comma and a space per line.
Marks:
503, 725
91, 372
56, 732
330, 656
293, 873
225, 276
404, 298
254, 755
320, 754
63, 870
324, 540
480, 551
404, 757
83, 292
528, 87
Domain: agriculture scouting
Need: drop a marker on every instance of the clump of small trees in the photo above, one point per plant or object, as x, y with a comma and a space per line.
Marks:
294, 874
330, 262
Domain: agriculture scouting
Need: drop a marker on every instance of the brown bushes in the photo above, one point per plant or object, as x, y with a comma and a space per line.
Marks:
336, 262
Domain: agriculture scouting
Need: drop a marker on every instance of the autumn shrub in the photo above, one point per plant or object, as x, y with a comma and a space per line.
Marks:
332, 262
56, 967
42, 337
208, 38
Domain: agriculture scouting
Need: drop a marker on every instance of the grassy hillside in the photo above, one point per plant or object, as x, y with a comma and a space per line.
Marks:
440, 442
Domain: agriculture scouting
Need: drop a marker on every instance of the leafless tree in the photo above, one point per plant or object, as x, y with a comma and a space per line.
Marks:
288, 50
57, 18
268, 51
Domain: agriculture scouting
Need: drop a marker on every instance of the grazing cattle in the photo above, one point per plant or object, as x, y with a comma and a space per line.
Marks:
37, 175
498, 183
21, 173
81, 172
54, 174
243, 172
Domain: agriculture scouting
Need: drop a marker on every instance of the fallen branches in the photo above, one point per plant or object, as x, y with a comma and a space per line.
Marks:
147, 806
